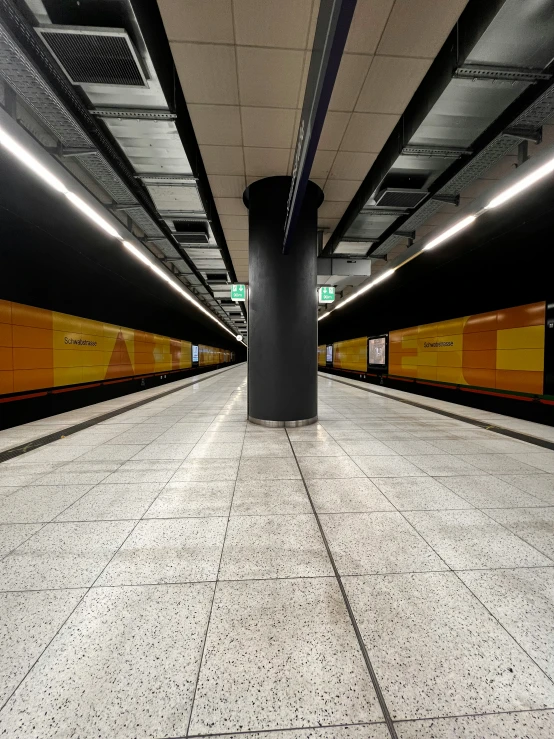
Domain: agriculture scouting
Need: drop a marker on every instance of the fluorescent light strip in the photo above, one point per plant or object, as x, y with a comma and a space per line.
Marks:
172, 283
376, 281
464, 223
26, 158
523, 184
327, 313
29, 161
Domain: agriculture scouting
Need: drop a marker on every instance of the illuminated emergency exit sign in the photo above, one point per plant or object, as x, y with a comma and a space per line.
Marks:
238, 292
326, 294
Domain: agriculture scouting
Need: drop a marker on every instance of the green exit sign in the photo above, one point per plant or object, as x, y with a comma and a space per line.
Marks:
326, 294
238, 292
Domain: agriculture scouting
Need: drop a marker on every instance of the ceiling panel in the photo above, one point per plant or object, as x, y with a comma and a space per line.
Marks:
275, 24
341, 189
331, 209
333, 130
268, 127
266, 162
227, 186
351, 165
198, 20
223, 159
208, 72
235, 222
269, 77
231, 206
418, 28
368, 132
352, 73
216, 124
390, 84
367, 26
322, 163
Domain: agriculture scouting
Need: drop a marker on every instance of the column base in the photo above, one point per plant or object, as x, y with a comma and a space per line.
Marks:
282, 424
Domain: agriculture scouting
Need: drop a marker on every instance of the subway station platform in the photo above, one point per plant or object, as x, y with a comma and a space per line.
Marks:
174, 571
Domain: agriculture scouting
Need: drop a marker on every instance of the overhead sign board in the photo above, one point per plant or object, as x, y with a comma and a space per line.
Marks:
238, 292
327, 294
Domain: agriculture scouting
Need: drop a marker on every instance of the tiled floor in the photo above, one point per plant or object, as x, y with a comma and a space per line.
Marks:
164, 574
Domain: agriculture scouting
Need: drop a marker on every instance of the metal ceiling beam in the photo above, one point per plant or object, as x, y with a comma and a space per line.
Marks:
499, 73
438, 152
333, 23
135, 114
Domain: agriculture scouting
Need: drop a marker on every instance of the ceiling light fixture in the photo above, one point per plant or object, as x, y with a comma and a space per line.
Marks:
376, 281
327, 313
30, 162
523, 184
464, 223
91, 213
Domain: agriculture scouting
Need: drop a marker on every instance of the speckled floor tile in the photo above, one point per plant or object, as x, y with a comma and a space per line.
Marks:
524, 725
365, 447
28, 621
366, 731
443, 464
543, 461
63, 555
503, 464
329, 468
487, 491
111, 452
184, 499
472, 540
206, 469
132, 676
168, 551
223, 437
523, 601
273, 546
540, 486
344, 496
39, 503
293, 660
16, 477
216, 450
307, 433
533, 525
318, 449
506, 446
280, 447
8, 490
110, 502
260, 497
178, 452
264, 468
378, 542
419, 493
12, 535
66, 477
411, 446
53, 453
438, 652
388, 466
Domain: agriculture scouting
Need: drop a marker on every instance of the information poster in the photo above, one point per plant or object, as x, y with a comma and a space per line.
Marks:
377, 351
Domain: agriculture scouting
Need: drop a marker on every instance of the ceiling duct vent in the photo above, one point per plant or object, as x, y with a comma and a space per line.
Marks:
95, 56
191, 232
215, 278
396, 197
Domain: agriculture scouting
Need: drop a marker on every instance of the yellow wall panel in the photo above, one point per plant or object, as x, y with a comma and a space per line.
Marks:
530, 337
520, 359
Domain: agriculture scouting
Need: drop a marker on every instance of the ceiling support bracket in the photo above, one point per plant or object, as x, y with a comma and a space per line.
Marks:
450, 199
500, 73
527, 134
438, 152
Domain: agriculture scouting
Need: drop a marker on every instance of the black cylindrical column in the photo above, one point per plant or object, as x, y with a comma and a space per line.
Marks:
282, 311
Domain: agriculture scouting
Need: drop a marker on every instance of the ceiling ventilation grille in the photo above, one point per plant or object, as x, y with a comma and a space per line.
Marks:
394, 197
191, 232
101, 56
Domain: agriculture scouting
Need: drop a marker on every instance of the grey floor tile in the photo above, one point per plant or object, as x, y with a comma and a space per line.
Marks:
342, 435
53, 453
28, 621
411, 446
206, 469
8, 490
528, 611
523, 725
438, 652
366, 447
198, 499
132, 676
112, 501
216, 450
12, 535
293, 660
38, 503
168, 551
543, 461
280, 447
444, 464
363, 543
273, 546
183, 436
261, 497
419, 493
328, 448
265, 468
329, 468
63, 555
472, 540
503, 464
111, 452
540, 486
533, 525
506, 446
66, 477
223, 437
357, 494
455, 446
15, 477
164, 451
365, 731
486, 491
393, 466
